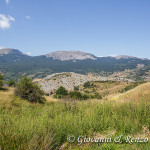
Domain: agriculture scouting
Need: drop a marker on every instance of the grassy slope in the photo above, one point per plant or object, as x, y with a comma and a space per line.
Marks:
37, 126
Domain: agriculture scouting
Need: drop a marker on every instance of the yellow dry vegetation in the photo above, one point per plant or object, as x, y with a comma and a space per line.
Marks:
140, 92
6, 96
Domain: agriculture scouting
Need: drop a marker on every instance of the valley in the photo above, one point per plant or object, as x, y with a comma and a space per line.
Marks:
56, 98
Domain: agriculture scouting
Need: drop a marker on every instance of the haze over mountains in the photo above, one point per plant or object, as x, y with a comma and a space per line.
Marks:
13, 63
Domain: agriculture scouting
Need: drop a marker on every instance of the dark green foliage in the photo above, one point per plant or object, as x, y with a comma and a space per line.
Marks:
75, 95
11, 83
41, 66
97, 96
87, 84
28, 90
78, 95
61, 91
1, 80
76, 88
85, 96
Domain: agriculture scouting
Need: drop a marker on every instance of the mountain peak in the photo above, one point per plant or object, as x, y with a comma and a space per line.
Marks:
70, 55
6, 51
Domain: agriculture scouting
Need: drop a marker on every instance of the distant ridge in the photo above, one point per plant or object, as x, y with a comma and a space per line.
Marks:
6, 51
13, 63
124, 57
70, 55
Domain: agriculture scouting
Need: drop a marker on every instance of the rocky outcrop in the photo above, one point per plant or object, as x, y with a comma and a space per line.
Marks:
70, 55
7, 51
67, 80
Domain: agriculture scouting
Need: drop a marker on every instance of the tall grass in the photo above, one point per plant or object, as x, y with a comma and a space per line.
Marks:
25, 126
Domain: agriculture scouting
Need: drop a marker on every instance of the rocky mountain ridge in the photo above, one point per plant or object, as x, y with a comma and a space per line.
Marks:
10, 51
14, 63
70, 55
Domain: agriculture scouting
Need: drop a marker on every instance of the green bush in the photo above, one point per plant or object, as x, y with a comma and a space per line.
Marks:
98, 96
61, 91
85, 97
28, 90
87, 84
75, 95
1, 80
11, 83
76, 88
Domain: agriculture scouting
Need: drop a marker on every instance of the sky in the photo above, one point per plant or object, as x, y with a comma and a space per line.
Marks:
100, 27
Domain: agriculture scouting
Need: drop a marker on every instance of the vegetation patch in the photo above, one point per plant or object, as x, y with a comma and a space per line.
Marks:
28, 90
135, 84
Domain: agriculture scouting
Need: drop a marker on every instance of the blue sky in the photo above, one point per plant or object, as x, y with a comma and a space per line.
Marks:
101, 27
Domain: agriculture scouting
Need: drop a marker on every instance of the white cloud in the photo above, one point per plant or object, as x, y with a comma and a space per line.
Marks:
5, 21
28, 17
7, 1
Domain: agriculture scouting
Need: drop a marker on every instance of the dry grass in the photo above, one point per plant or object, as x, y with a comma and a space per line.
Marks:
142, 91
51, 99
34, 126
6, 96
106, 88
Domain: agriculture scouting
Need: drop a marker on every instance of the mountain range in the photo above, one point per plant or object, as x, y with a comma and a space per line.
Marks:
14, 63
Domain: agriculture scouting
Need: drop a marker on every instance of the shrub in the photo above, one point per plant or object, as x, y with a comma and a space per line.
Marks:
98, 96
76, 88
11, 83
61, 91
85, 97
75, 95
28, 90
1, 80
87, 84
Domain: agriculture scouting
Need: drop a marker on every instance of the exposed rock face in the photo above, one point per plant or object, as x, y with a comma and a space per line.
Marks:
7, 51
71, 55
67, 80
70, 80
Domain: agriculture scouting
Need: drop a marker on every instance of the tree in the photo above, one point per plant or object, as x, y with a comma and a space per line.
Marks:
61, 91
75, 95
1, 80
11, 83
87, 84
28, 90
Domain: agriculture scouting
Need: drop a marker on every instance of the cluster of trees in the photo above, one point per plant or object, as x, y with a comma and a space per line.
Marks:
10, 83
61, 92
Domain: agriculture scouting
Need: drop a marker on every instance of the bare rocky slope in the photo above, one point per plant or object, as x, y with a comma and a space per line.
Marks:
67, 80
70, 55
70, 79
7, 51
